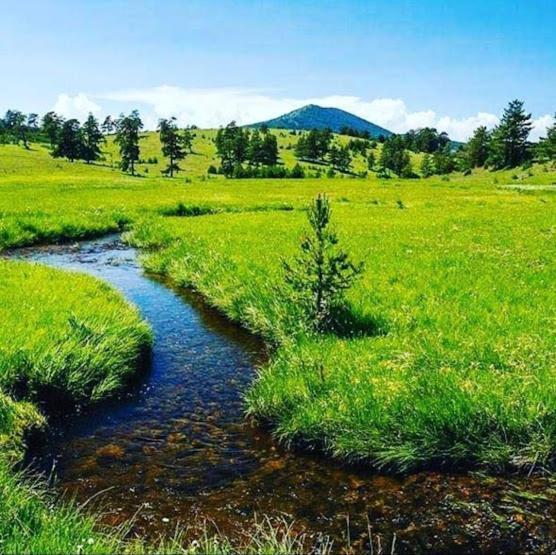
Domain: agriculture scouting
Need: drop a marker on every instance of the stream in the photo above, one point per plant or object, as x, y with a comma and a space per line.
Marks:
177, 448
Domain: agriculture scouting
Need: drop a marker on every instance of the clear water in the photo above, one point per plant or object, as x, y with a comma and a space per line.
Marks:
178, 448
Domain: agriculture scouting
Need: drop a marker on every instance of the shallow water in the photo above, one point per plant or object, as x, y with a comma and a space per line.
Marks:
178, 448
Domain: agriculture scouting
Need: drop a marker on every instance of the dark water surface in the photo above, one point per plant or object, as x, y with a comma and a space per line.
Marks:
178, 448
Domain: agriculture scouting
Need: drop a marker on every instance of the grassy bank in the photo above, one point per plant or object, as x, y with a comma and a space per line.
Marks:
455, 358
64, 338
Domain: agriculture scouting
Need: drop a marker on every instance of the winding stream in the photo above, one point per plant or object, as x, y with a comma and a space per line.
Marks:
178, 447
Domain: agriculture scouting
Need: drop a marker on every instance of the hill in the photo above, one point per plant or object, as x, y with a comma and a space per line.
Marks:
317, 117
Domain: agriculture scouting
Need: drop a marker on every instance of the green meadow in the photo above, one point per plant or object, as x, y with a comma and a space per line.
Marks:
448, 355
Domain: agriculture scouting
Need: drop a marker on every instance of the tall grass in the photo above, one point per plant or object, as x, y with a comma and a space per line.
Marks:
456, 366
65, 336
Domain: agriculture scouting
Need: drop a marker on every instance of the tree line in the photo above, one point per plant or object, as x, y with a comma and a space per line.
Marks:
254, 153
244, 153
504, 147
70, 139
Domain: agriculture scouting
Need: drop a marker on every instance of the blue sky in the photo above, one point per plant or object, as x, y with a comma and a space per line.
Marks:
402, 63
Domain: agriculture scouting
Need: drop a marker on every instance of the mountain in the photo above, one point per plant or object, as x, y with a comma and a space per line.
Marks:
317, 117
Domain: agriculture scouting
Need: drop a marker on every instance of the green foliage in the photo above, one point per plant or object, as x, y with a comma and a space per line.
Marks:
340, 158
92, 140
69, 143
127, 138
232, 144
427, 166
321, 274
51, 126
477, 149
314, 145
174, 144
508, 142
427, 140
444, 161
394, 156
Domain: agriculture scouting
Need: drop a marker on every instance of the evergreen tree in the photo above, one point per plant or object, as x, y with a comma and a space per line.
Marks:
232, 145
394, 156
371, 160
508, 146
314, 145
14, 124
51, 125
546, 149
127, 138
108, 125
444, 161
172, 144
187, 139
69, 142
427, 167
339, 157
269, 149
92, 139
321, 273
255, 152
477, 148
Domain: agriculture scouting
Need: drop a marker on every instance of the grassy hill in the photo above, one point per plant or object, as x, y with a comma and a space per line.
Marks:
204, 153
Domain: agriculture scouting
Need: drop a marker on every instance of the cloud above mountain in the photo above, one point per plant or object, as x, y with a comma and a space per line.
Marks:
217, 106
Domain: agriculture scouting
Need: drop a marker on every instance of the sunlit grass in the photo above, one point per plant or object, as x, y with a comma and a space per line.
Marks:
461, 370
456, 368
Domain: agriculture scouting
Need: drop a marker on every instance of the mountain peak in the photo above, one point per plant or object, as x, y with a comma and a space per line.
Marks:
312, 116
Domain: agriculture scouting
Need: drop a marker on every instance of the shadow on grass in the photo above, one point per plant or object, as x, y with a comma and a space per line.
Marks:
349, 322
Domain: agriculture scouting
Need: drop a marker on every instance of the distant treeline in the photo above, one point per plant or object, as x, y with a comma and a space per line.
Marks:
254, 153
505, 146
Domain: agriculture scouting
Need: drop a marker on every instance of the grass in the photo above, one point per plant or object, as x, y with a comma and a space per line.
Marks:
65, 338
80, 345
455, 367
453, 357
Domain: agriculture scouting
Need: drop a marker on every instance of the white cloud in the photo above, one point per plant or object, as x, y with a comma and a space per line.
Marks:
77, 106
539, 127
215, 107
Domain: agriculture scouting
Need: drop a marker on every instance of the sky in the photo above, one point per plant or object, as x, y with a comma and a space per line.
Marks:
401, 64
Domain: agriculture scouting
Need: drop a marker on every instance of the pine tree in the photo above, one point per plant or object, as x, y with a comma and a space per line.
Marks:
108, 125
232, 146
127, 138
172, 144
321, 274
255, 152
69, 142
508, 146
394, 156
269, 149
92, 139
477, 148
51, 125
187, 139
339, 157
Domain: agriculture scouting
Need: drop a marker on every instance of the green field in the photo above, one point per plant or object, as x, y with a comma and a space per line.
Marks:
453, 356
